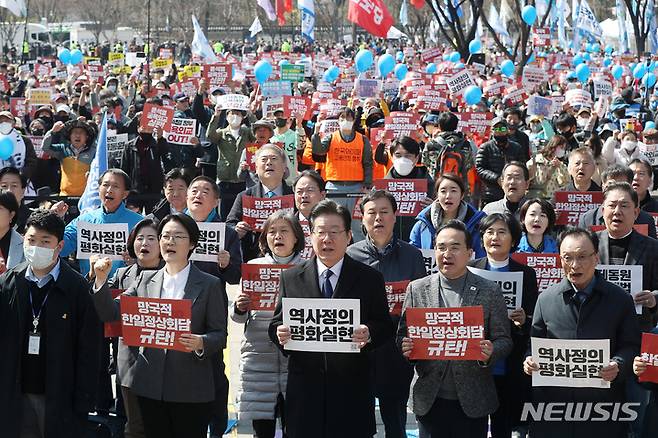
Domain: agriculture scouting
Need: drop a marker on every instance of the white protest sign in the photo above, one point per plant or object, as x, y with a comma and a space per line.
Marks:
108, 240
602, 88
211, 241
458, 82
573, 363
429, 257
276, 88
533, 76
182, 131
511, 283
322, 324
233, 101
650, 151
627, 277
116, 144
578, 98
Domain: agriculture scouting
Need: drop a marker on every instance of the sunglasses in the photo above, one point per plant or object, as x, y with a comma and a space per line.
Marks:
499, 129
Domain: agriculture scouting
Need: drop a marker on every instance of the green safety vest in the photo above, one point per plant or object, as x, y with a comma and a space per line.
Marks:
218, 47
26, 47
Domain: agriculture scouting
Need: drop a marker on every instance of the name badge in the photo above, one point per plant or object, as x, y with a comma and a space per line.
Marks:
33, 344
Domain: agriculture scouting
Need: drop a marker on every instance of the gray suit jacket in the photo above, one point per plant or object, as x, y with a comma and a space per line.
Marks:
474, 382
171, 375
500, 206
16, 255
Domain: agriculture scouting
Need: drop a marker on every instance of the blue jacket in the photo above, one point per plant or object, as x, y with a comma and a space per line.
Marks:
422, 234
549, 245
98, 216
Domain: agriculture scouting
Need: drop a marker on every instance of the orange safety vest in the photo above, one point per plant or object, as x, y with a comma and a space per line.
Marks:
344, 160
307, 159
74, 177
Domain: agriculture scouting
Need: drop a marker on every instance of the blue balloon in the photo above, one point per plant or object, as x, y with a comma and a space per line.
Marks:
363, 60
582, 72
446, 56
284, 62
577, 59
76, 57
472, 95
331, 74
609, 49
399, 56
617, 71
455, 57
596, 47
588, 47
587, 57
607, 62
64, 56
385, 64
474, 46
400, 71
459, 65
531, 58
431, 68
529, 14
639, 70
649, 80
652, 66
6, 147
649, 125
507, 67
262, 71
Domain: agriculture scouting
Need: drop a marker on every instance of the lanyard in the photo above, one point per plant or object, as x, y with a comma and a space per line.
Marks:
35, 316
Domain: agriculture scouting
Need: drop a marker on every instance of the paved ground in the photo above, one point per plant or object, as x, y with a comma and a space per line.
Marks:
232, 359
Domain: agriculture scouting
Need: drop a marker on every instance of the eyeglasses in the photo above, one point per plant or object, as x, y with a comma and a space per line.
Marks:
570, 260
499, 129
331, 234
173, 237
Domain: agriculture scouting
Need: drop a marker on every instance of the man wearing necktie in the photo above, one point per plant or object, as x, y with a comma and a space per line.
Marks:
330, 395
585, 306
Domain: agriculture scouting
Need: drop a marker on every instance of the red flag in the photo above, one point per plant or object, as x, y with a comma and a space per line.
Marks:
372, 15
418, 4
280, 7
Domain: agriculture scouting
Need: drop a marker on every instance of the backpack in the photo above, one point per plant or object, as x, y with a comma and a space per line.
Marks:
451, 162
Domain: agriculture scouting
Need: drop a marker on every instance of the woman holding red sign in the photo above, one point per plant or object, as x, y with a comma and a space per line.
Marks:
263, 368
175, 389
142, 245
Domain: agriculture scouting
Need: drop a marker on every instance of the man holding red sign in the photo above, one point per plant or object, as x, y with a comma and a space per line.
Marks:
454, 397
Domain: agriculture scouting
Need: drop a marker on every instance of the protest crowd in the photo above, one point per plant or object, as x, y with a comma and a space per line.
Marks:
410, 229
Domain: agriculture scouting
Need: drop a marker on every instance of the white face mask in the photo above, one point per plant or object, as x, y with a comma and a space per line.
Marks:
5, 128
112, 88
582, 122
629, 146
345, 125
536, 128
559, 152
31, 82
234, 120
403, 166
38, 257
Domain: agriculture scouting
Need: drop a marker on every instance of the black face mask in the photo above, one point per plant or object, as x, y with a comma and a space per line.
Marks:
280, 123
500, 139
38, 132
61, 118
566, 134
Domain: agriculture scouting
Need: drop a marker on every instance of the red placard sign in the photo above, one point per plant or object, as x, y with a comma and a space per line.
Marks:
261, 283
155, 116
297, 106
395, 291
446, 333
475, 123
541, 36
570, 206
255, 211
649, 353
407, 193
155, 322
217, 75
547, 267
401, 123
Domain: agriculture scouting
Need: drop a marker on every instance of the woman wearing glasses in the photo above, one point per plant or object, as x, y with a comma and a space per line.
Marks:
174, 389
143, 247
501, 233
263, 368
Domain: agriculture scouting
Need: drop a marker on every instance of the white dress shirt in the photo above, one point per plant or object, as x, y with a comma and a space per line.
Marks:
278, 191
41, 282
173, 286
335, 269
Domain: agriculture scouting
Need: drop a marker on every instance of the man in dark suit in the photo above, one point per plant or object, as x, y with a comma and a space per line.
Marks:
49, 334
585, 306
620, 244
609, 176
330, 395
272, 170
